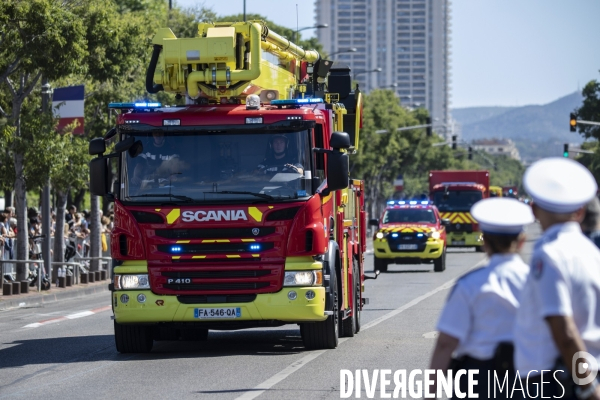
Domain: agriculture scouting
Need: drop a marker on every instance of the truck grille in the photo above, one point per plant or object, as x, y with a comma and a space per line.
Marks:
215, 233
218, 286
219, 279
214, 248
218, 274
407, 239
467, 228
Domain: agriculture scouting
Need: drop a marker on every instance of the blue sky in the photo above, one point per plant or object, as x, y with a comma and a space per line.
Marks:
504, 52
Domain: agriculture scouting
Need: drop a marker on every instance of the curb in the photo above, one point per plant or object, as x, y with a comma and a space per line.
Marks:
51, 296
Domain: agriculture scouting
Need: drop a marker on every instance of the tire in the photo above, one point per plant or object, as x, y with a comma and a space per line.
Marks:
323, 334
479, 249
349, 324
381, 264
439, 264
133, 338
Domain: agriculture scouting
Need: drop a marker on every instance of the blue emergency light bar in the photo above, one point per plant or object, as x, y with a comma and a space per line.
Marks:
296, 102
129, 106
412, 202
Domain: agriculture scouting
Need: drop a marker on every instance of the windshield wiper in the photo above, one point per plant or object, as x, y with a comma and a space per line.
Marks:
176, 196
261, 195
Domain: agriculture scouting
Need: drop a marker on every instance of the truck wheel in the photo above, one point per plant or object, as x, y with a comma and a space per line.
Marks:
349, 324
323, 334
479, 249
133, 338
439, 264
381, 264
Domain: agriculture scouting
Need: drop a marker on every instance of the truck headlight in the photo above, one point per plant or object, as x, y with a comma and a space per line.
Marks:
379, 235
303, 278
127, 282
435, 235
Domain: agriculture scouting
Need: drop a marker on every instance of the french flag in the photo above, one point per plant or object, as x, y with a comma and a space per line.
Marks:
67, 103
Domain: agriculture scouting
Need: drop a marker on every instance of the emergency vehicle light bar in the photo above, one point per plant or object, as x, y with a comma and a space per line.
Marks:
128, 106
296, 102
412, 202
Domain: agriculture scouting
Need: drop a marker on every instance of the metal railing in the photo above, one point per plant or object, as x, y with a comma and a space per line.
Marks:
79, 263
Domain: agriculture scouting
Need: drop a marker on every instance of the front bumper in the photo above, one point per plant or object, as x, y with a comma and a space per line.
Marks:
433, 249
271, 306
464, 239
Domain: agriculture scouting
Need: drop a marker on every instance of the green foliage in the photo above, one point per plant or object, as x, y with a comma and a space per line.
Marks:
383, 156
411, 153
41, 36
184, 22
590, 111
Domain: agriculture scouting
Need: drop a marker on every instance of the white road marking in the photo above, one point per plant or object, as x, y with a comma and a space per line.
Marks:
68, 317
295, 366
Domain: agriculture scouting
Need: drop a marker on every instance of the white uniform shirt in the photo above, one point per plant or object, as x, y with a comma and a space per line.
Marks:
480, 311
564, 281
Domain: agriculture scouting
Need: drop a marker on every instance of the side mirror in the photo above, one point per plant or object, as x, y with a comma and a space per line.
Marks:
98, 174
136, 149
446, 222
111, 132
124, 144
374, 222
337, 171
97, 146
340, 140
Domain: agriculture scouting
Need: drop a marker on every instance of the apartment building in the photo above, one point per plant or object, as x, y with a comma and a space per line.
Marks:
408, 39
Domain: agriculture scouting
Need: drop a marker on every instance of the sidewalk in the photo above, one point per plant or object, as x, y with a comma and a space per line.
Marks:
36, 299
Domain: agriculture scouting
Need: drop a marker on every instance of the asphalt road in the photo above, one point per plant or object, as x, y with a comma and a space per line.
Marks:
66, 349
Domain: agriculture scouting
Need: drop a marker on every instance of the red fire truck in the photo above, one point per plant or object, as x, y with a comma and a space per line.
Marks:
236, 210
454, 192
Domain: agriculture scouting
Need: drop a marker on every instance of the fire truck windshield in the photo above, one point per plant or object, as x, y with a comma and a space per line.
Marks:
409, 215
214, 167
456, 200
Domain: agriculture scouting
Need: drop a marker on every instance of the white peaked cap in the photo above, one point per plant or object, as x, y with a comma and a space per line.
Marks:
559, 185
503, 216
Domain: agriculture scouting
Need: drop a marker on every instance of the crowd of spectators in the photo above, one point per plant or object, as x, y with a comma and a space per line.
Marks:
76, 227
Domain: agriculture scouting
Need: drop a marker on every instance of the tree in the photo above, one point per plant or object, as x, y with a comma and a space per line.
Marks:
382, 156
54, 39
590, 111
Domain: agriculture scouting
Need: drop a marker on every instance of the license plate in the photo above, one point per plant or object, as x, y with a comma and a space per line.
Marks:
211, 313
407, 247
458, 243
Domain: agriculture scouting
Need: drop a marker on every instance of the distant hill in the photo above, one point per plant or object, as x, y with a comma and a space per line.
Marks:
471, 115
538, 130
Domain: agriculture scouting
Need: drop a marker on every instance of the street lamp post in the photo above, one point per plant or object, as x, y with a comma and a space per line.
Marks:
350, 50
319, 26
46, 220
368, 71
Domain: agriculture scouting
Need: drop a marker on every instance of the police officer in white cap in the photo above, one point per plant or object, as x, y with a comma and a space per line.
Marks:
476, 325
559, 316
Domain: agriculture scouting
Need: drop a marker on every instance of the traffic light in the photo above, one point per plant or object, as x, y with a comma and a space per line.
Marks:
572, 124
454, 137
566, 150
470, 153
429, 127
